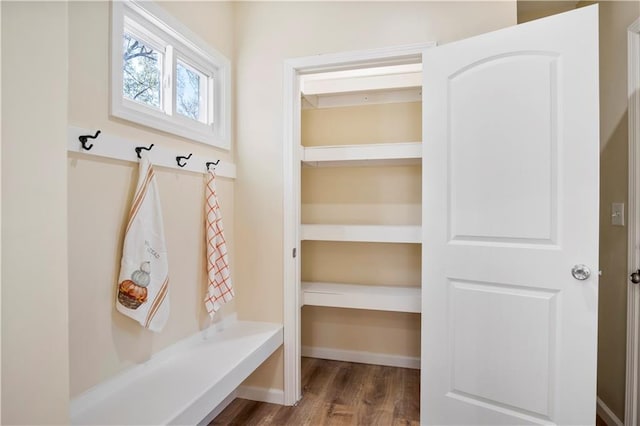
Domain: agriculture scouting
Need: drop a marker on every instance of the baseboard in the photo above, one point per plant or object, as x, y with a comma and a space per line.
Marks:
607, 415
272, 396
361, 357
219, 409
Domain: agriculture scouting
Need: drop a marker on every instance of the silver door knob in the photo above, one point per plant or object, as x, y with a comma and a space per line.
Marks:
581, 272
635, 277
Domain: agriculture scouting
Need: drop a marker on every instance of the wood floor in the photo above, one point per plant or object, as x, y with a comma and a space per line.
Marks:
339, 393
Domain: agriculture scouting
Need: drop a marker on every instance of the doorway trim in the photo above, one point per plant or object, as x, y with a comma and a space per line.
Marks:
632, 416
293, 69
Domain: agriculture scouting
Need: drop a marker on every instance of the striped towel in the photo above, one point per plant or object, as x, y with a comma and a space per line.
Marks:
143, 285
219, 288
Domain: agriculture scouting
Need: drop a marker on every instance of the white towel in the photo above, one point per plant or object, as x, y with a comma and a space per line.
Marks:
219, 288
143, 286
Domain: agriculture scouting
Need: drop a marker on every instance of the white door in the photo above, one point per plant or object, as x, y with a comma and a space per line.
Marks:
510, 196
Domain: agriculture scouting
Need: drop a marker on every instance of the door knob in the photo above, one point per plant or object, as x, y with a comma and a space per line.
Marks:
635, 277
581, 272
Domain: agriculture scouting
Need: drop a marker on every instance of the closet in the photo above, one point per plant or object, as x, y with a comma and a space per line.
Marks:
360, 215
508, 229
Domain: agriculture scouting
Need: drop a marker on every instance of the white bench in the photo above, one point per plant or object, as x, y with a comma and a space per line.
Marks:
184, 383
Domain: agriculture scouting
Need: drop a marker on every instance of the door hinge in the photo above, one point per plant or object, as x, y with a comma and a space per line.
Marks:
294, 252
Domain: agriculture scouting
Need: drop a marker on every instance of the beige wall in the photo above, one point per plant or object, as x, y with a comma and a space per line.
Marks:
35, 387
256, 37
267, 33
615, 17
362, 195
378, 123
103, 342
535, 9
392, 333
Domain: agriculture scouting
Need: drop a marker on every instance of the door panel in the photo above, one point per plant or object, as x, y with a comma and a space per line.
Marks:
510, 196
485, 206
502, 335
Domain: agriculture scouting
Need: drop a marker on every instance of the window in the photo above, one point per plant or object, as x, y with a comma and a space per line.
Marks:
165, 77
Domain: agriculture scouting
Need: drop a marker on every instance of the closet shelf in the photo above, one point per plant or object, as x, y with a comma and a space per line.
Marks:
385, 154
362, 233
379, 298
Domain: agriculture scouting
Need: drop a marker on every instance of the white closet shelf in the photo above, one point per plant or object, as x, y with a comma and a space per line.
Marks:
355, 296
389, 154
362, 233
183, 383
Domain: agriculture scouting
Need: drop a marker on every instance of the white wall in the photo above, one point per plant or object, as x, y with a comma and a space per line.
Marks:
35, 357
267, 33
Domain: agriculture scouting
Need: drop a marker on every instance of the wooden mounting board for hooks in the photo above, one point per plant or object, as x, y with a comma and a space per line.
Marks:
123, 149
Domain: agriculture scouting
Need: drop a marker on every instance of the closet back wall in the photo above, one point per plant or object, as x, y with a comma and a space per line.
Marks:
267, 33
102, 341
362, 196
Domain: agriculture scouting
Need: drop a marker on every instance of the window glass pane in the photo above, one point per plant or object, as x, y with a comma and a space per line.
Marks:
141, 73
189, 90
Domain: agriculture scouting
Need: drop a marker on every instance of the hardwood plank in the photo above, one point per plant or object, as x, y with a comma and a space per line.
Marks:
338, 393
408, 407
377, 407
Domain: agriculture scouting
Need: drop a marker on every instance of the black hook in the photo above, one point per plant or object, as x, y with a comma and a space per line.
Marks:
212, 163
140, 148
83, 140
180, 157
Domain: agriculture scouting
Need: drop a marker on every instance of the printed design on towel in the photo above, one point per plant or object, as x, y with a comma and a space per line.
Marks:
219, 288
133, 293
143, 284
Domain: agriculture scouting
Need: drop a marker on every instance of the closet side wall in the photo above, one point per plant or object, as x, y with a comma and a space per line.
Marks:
268, 33
103, 342
35, 382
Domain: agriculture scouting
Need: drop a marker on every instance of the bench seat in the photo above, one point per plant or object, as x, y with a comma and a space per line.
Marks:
185, 382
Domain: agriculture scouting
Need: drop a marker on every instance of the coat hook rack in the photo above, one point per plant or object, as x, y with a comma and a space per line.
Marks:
83, 140
212, 163
140, 148
179, 159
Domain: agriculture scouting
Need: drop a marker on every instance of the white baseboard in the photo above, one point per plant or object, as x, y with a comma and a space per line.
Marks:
272, 396
219, 409
607, 415
362, 357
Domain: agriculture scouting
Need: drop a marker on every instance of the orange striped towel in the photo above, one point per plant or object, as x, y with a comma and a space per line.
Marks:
219, 288
143, 285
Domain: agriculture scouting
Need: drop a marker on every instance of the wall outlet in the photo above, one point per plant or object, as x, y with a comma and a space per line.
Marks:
617, 214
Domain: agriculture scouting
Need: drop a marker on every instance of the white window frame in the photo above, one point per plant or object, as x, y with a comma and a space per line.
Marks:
175, 41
